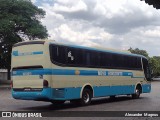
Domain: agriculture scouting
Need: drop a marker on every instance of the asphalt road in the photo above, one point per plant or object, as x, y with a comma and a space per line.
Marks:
147, 102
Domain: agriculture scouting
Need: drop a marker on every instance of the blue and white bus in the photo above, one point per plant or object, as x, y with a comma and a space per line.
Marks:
49, 71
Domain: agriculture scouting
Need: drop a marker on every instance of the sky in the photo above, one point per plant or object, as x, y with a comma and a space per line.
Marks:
117, 24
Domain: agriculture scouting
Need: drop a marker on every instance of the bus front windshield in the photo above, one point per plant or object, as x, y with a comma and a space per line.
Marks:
147, 70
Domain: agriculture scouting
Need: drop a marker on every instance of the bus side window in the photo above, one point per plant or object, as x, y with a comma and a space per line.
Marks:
71, 56
138, 63
79, 57
88, 59
92, 58
75, 56
58, 54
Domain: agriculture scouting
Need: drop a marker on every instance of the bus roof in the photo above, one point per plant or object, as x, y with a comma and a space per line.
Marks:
96, 48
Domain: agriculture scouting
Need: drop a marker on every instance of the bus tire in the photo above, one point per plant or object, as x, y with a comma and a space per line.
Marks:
86, 97
57, 102
137, 93
112, 97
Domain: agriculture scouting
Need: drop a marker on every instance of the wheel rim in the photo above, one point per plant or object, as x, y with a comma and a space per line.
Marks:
137, 92
86, 97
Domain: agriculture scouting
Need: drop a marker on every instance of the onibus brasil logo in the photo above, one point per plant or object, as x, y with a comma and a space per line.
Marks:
21, 114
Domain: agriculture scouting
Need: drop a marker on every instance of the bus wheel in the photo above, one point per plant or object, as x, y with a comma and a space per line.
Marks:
137, 93
86, 97
57, 101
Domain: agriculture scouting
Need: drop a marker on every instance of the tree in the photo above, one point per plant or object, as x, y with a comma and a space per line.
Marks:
155, 65
138, 51
155, 3
19, 19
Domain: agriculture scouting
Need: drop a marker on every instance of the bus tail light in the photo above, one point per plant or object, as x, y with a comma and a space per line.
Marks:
11, 85
45, 83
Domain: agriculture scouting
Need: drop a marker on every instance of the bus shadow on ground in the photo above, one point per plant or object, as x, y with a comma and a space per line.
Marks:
68, 105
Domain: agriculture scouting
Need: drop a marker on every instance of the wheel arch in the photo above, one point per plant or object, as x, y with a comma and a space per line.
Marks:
139, 85
89, 86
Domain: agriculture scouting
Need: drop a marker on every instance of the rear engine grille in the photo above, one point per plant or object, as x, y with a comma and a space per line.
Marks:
59, 93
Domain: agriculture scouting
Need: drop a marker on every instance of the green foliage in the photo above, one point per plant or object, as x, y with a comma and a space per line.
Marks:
155, 65
138, 51
18, 18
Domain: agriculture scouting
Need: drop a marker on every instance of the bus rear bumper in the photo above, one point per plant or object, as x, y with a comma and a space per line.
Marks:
48, 94
45, 94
